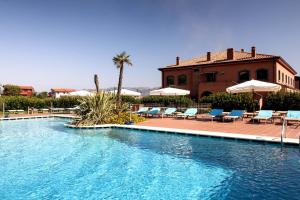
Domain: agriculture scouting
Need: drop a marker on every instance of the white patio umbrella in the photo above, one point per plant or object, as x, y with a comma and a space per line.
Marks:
126, 92
254, 86
81, 93
169, 92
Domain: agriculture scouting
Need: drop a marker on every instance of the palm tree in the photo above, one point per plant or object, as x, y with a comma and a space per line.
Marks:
119, 60
96, 81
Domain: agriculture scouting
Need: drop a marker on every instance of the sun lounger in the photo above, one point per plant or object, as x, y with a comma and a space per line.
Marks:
12, 111
72, 110
20, 111
263, 115
190, 112
234, 115
214, 113
142, 111
42, 110
153, 111
168, 112
292, 115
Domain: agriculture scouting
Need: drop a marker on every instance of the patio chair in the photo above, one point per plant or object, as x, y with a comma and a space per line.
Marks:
214, 113
292, 115
142, 111
263, 115
153, 111
234, 115
190, 112
168, 112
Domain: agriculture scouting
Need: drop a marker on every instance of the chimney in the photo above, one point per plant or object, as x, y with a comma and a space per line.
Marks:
208, 56
230, 54
253, 51
177, 60
242, 50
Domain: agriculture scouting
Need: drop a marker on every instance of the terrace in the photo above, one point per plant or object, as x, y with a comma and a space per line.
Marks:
240, 127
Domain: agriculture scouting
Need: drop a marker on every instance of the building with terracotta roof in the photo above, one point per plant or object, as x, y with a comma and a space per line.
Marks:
26, 90
58, 92
216, 71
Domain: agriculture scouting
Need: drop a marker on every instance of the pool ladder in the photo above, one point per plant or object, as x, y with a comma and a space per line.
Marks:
283, 133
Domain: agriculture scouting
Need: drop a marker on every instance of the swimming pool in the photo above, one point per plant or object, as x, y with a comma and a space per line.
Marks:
41, 159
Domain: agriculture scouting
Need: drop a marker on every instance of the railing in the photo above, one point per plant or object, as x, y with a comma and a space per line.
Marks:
283, 132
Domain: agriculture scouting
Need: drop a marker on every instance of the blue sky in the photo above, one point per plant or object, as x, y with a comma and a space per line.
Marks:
62, 43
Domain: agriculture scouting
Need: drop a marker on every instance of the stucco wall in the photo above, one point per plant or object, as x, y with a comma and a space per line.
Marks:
287, 73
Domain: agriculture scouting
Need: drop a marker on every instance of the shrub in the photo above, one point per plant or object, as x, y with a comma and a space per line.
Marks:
282, 101
66, 101
177, 101
229, 102
22, 102
11, 90
130, 99
103, 109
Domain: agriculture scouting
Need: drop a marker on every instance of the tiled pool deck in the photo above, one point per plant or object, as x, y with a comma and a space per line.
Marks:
240, 127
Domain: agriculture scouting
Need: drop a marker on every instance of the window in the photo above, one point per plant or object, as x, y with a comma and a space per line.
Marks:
262, 74
282, 77
210, 77
279, 75
244, 76
285, 78
182, 79
170, 80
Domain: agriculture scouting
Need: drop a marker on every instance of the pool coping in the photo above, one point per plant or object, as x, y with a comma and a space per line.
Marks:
36, 117
236, 136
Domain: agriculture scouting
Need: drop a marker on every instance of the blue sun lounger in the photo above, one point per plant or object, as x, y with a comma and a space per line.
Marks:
190, 112
142, 110
153, 111
234, 115
263, 115
214, 113
168, 112
292, 115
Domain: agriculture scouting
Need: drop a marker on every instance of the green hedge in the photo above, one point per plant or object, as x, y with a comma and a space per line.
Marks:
21, 102
177, 101
130, 99
282, 101
229, 102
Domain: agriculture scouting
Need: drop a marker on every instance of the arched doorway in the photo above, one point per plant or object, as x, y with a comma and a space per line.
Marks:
206, 93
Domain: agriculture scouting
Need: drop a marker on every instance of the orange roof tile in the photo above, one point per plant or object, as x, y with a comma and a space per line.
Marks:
221, 57
26, 87
62, 90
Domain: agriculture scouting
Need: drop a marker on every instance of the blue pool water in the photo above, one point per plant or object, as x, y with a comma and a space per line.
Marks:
41, 159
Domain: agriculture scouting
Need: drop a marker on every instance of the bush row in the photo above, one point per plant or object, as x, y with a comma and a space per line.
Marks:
176, 101
21, 102
274, 101
229, 102
282, 101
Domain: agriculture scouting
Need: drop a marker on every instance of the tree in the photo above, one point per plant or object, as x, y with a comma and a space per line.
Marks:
120, 60
11, 90
42, 95
96, 81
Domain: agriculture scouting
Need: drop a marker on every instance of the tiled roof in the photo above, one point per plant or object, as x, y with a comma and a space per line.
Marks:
221, 57
26, 87
62, 90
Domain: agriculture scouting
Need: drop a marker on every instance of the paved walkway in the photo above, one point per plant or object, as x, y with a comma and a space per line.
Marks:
240, 127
